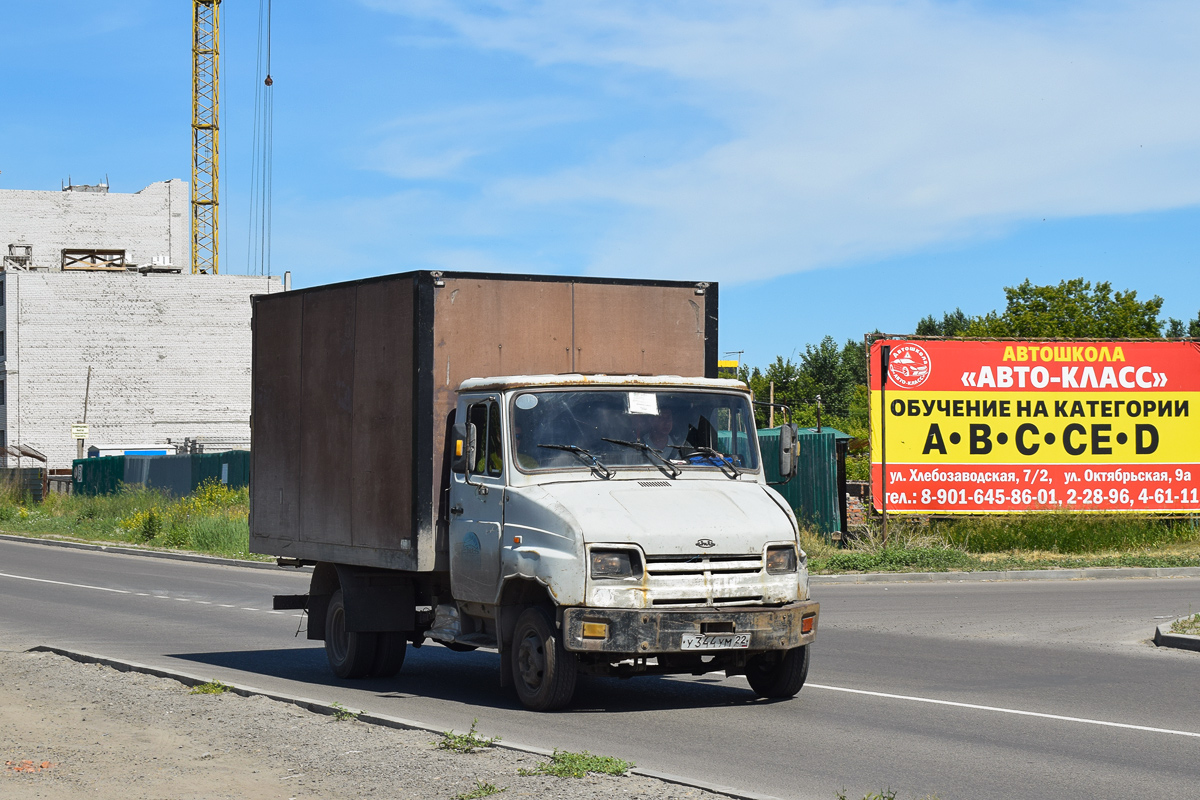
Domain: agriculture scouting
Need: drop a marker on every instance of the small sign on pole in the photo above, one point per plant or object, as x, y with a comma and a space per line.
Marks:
79, 430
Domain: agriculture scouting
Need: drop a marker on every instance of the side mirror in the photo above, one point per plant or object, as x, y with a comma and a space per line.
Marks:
464, 448
789, 452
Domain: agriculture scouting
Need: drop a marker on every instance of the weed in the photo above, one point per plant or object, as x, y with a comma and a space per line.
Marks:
340, 712
577, 765
212, 687
214, 519
1189, 626
886, 794
467, 742
176, 536
481, 790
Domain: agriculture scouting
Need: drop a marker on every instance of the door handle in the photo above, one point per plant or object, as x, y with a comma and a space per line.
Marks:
456, 509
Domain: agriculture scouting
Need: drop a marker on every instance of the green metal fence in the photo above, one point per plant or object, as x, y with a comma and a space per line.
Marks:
813, 492
93, 476
175, 475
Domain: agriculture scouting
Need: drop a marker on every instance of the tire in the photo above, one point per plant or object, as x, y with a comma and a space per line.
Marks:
351, 655
544, 671
390, 648
778, 675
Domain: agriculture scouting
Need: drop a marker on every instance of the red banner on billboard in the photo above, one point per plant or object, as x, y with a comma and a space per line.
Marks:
983, 426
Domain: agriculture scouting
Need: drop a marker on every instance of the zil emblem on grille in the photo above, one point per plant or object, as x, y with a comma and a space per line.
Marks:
705, 543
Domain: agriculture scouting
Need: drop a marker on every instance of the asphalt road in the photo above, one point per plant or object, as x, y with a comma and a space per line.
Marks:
963, 690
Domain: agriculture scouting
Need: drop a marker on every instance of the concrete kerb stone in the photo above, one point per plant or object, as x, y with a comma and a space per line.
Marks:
137, 551
383, 720
1163, 637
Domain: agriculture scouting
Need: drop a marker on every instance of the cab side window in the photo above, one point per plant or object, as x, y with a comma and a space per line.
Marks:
485, 417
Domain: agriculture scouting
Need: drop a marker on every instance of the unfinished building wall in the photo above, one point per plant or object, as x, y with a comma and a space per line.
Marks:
147, 225
170, 358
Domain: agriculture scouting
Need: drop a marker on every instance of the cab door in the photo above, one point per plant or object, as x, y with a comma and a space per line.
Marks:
477, 507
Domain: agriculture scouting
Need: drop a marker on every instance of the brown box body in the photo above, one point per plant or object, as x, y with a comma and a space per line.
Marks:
354, 385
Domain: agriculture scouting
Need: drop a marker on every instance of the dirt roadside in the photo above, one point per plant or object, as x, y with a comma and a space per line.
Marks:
71, 730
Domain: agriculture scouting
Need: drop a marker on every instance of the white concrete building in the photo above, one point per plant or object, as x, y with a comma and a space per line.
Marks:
169, 357
149, 226
92, 278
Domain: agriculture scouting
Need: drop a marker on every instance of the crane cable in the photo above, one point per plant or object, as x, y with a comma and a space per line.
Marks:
258, 244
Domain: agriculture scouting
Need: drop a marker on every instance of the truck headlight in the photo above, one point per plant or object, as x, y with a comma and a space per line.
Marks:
781, 560
615, 564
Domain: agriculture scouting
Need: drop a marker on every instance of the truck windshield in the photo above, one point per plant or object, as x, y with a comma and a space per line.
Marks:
690, 429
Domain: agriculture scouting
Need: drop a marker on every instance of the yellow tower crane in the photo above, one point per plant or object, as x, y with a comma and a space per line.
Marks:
206, 72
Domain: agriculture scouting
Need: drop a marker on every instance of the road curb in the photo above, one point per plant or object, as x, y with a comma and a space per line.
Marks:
1180, 641
136, 551
1087, 573
383, 720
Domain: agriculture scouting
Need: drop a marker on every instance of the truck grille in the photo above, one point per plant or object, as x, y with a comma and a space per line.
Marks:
709, 579
697, 565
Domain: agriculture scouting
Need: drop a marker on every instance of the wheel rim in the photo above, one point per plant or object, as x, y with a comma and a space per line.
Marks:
531, 661
336, 637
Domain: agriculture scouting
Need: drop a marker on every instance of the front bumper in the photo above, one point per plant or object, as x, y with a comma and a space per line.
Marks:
638, 632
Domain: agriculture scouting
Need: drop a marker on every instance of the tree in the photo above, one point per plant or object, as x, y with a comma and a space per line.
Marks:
955, 324
1071, 310
1177, 328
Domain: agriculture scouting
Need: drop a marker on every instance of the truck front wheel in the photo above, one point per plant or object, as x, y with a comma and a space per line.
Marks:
543, 670
351, 655
779, 674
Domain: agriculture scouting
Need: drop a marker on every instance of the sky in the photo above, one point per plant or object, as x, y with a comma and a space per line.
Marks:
837, 167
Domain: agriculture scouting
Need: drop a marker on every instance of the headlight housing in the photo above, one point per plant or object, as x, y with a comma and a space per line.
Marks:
781, 560
615, 564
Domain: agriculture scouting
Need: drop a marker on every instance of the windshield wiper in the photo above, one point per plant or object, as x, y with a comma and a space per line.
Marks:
722, 460
585, 456
675, 472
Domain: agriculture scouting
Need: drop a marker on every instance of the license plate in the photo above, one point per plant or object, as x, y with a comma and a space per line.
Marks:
722, 641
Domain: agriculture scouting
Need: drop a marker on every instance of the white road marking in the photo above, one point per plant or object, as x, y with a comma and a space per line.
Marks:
122, 591
1018, 712
64, 583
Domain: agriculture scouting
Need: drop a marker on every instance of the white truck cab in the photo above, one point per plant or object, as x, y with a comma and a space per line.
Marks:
639, 505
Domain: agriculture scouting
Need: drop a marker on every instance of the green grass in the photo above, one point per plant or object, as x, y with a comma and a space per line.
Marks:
1063, 532
214, 519
564, 764
481, 790
1189, 626
1054, 540
467, 742
212, 687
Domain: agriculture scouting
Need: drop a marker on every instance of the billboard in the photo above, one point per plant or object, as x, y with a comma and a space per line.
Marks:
994, 426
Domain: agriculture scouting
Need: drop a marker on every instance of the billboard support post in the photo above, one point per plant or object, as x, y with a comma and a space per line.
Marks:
885, 353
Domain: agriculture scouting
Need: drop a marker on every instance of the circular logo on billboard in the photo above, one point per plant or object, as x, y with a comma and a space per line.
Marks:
908, 366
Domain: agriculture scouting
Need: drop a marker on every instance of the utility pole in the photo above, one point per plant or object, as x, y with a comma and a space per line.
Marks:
81, 431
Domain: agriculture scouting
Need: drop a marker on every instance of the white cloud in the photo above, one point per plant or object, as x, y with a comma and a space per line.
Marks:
853, 130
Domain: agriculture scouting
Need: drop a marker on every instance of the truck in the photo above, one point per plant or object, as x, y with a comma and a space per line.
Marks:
546, 467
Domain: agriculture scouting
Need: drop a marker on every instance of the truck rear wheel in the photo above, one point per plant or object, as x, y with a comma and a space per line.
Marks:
390, 648
351, 655
543, 670
779, 674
